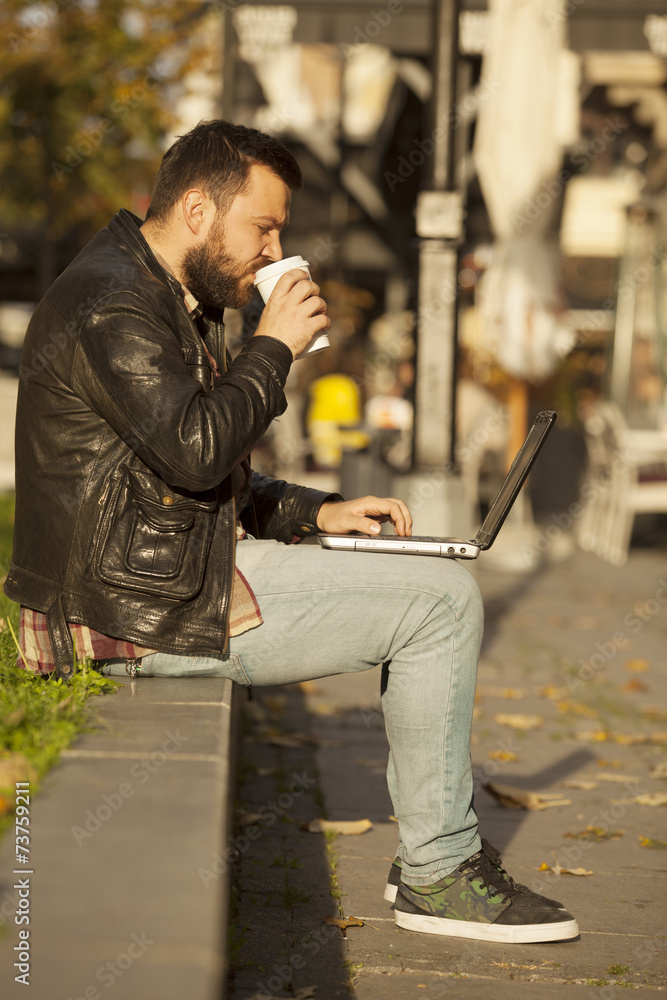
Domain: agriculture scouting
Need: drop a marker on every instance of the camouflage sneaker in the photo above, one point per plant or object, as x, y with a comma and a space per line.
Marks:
395, 875
479, 900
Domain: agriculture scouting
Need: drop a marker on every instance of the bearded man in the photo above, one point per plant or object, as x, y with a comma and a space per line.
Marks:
144, 541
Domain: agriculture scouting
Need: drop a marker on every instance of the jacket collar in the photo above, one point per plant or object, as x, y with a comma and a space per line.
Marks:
126, 227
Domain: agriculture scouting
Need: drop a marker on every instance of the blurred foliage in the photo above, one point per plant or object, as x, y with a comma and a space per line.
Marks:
86, 92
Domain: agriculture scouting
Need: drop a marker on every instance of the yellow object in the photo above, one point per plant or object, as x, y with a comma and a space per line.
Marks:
333, 413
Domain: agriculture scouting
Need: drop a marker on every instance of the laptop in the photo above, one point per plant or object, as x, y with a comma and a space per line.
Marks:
458, 548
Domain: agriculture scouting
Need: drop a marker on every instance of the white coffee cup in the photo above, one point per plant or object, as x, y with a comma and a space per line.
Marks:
267, 279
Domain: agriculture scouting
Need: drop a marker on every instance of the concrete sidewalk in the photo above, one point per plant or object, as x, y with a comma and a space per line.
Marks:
582, 646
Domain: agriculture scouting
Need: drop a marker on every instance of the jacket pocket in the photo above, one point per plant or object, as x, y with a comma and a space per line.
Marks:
153, 539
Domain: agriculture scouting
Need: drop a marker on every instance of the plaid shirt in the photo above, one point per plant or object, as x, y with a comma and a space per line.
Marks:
34, 643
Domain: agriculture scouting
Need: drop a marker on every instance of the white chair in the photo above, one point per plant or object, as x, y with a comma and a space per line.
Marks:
617, 487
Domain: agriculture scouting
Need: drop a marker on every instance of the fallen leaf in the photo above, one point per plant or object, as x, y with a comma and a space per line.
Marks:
557, 870
305, 993
634, 684
343, 826
651, 799
308, 687
518, 721
596, 834
551, 691
249, 818
324, 708
394, 819
603, 762
265, 772
511, 797
660, 770
586, 786
625, 739
503, 755
637, 666
650, 842
655, 711
576, 708
344, 923
617, 778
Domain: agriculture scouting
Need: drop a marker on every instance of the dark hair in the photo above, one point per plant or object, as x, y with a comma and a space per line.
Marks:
216, 156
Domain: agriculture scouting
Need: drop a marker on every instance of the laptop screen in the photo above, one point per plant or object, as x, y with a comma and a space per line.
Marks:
521, 466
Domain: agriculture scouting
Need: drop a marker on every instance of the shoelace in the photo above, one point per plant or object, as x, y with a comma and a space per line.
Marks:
486, 865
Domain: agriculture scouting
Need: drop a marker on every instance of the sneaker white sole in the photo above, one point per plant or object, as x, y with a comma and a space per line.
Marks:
507, 933
390, 892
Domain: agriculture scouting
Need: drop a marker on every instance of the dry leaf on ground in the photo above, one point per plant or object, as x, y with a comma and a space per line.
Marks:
557, 870
660, 770
651, 799
305, 993
621, 779
637, 666
650, 842
634, 684
586, 786
575, 707
343, 826
518, 720
551, 691
503, 755
595, 833
249, 818
344, 923
518, 798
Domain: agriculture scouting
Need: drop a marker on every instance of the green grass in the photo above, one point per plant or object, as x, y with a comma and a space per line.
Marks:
39, 716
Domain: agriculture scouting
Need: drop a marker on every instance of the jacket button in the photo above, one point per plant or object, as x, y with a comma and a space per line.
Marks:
167, 501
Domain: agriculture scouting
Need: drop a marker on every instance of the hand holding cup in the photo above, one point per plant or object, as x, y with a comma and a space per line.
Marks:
298, 313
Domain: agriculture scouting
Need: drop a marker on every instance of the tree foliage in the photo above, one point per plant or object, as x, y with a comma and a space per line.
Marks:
87, 89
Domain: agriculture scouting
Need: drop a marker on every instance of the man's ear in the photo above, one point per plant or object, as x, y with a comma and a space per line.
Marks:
197, 210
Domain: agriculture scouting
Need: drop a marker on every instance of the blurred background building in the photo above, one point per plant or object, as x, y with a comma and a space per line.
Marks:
485, 207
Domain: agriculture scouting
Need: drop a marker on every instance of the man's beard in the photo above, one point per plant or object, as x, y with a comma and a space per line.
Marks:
213, 276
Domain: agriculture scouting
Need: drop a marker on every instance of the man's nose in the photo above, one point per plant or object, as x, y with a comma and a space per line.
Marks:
272, 248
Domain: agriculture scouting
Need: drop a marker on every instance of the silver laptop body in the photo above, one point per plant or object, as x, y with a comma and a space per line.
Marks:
458, 548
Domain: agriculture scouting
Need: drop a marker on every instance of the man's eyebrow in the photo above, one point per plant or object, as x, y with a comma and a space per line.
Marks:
275, 224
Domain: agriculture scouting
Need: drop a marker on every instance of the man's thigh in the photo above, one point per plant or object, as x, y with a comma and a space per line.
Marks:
327, 612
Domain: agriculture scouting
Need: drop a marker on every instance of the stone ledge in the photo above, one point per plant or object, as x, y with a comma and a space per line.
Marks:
121, 832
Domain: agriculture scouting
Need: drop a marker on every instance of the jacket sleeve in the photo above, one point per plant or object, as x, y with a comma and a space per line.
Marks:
129, 368
283, 510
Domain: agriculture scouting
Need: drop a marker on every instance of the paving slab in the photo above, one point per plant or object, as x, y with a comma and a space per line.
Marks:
582, 645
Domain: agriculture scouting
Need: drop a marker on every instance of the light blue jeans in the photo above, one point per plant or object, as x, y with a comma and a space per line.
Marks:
338, 612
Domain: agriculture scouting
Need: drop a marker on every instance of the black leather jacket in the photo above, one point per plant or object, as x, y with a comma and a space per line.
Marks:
130, 456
